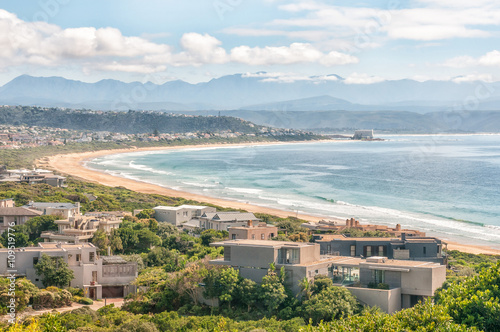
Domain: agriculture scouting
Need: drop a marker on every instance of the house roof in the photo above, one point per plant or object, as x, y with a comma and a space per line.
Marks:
42, 205
229, 216
261, 243
176, 208
18, 211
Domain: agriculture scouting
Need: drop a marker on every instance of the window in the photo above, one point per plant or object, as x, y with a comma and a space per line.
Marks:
233, 236
35, 260
425, 250
353, 250
253, 236
91, 256
368, 251
262, 236
78, 257
378, 276
288, 256
381, 250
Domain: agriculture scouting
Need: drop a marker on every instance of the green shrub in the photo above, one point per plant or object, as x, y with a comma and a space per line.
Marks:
85, 300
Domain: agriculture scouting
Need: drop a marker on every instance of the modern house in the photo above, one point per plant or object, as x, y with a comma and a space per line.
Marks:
7, 203
177, 215
11, 215
408, 281
81, 228
100, 277
333, 226
64, 210
404, 248
262, 231
50, 179
224, 220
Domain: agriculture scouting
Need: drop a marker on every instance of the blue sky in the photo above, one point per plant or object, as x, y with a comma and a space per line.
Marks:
160, 40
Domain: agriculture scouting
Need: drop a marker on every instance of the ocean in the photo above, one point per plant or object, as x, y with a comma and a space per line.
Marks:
447, 185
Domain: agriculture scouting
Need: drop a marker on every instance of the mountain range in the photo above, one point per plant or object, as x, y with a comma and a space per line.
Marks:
253, 92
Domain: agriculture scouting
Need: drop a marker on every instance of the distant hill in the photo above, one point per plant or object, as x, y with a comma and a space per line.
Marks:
252, 92
132, 122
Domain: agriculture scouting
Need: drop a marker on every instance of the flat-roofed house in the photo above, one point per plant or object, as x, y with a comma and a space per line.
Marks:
262, 231
177, 215
64, 210
81, 228
15, 216
408, 281
7, 203
222, 221
98, 277
411, 248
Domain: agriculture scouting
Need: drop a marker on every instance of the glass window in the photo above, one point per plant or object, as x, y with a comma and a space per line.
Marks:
91, 256
288, 256
233, 236
425, 250
368, 251
262, 236
253, 236
378, 276
353, 250
381, 250
78, 257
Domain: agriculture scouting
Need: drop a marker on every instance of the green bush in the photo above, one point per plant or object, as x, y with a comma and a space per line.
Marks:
85, 300
52, 297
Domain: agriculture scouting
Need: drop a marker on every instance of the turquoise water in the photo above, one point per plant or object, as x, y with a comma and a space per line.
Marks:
445, 185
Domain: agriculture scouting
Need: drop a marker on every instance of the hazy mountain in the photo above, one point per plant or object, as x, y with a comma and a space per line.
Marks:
253, 93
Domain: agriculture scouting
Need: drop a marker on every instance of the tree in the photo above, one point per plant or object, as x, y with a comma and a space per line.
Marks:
228, 280
246, 292
211, 235
54, 271
147, 239
101, 241
476, 300
146, 214
115, 242
272, 291
306, 288
37, 225
330, 304
321, 282
19, 236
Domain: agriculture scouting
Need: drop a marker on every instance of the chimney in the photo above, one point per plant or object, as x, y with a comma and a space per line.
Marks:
249, 223
398, 227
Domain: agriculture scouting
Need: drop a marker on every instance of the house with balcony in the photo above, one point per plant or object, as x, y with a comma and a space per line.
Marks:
222, 221
178, 215
82, 228
99, 277
403, 248
64, 210
408, 281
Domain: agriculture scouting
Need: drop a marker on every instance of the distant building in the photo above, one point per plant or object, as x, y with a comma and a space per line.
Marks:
333, 226
408, 281
105, 277
81, 228
411, 248
222, 221
262, 231
16, 215
363, 134
65, 210
177, 215
50, 179
7, 203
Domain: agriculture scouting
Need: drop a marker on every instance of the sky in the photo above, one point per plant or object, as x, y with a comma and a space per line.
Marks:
162, 40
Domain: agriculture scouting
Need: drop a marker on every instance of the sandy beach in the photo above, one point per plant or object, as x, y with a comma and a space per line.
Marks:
73, 164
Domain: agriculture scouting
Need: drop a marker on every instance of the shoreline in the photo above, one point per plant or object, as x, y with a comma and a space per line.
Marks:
74, 164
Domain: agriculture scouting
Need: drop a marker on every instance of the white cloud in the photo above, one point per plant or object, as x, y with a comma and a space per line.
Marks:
290, 77
491, 59
285, 55
473, 78
356, 78
107, 49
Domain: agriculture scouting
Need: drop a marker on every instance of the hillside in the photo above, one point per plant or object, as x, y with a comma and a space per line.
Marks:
257, 91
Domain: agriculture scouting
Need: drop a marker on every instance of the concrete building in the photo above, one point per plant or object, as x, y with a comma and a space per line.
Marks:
222, 221
408, 281
334, 226
98, 277
262, 231
404, 248
7, 203
50, 179
12, 215
64, 210
81, 228
363, 134
177, 215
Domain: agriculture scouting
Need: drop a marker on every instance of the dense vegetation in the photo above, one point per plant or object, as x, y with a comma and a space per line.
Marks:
131, 122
